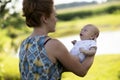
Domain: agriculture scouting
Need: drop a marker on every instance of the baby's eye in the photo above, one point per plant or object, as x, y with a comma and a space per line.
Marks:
85, 30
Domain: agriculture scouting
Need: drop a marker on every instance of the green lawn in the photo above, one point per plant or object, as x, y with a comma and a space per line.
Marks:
105, 67
9, 68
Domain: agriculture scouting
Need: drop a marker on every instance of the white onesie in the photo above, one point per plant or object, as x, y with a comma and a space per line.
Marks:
86, 44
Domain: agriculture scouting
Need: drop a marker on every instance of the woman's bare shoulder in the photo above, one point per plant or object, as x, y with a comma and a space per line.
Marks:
55, 44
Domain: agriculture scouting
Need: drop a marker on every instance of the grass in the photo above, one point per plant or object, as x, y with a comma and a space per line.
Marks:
105, 67
9, 69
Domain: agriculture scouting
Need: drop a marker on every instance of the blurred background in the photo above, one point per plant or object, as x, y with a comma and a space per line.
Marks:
72, 16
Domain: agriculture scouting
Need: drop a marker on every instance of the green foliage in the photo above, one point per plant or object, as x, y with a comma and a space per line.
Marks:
3, 4
15, 20
72, 15
7, 18
65, 16
112, 9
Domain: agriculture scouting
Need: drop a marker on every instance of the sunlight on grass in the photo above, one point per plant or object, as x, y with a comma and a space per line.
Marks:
9, 67
105, 67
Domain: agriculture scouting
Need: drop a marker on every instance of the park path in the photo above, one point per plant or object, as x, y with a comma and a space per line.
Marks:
107, 42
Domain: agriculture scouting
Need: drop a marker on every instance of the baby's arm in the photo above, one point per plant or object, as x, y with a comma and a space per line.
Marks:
89, 52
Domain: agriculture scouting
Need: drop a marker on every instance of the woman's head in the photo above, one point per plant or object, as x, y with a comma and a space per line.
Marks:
89, 32
33, 10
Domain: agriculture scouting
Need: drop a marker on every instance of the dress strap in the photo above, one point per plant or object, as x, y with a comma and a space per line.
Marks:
47, 41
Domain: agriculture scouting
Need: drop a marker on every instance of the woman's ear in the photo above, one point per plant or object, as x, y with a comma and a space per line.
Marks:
44, 19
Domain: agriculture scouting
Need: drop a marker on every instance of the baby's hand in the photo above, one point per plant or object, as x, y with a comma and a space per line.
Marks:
82, 50
74, 41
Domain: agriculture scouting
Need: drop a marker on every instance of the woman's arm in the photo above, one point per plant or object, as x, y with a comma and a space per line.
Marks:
57, 51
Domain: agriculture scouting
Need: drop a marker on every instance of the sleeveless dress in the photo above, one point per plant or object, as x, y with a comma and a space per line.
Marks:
34, 63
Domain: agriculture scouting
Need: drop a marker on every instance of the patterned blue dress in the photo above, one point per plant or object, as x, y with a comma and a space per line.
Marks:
34, 63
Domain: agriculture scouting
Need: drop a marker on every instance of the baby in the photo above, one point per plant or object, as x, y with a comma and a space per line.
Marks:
87, 46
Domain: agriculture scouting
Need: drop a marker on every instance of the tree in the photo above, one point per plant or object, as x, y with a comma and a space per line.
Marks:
8, 18
3, 5
10, 23
3, 11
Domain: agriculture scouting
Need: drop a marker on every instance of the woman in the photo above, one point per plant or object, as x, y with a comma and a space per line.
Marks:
41, 57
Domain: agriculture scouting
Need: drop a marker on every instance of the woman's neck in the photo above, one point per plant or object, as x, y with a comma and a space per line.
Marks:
39, 31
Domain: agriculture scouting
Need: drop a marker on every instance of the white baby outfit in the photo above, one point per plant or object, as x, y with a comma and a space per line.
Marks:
86, 44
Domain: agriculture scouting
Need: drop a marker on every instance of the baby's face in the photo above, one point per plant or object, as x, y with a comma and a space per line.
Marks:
87, 33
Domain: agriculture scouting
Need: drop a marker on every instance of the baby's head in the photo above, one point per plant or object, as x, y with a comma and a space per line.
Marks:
89, 32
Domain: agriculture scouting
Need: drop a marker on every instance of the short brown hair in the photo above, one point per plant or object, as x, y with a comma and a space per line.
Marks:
34, 9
